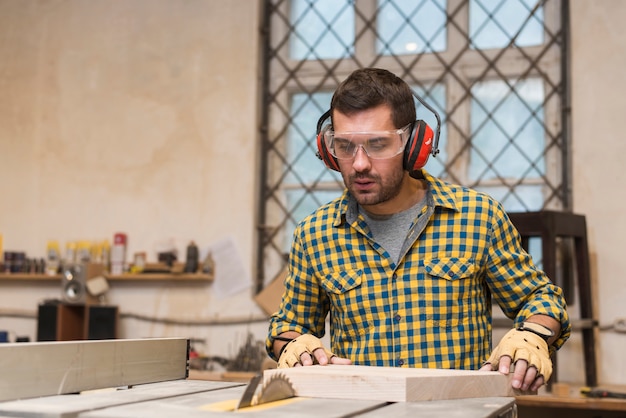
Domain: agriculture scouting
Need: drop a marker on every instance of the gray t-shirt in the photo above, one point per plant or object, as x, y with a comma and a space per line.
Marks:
390, 231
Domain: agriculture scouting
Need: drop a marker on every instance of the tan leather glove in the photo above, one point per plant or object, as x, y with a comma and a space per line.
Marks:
524, 345
305, 343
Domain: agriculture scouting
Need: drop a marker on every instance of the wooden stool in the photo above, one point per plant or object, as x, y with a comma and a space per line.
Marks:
549, 226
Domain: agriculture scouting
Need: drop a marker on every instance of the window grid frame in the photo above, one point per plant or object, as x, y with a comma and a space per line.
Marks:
470, 66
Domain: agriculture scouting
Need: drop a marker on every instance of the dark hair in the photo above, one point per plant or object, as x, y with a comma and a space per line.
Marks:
370, 87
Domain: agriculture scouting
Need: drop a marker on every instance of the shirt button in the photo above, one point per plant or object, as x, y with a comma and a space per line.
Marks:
400, 362
340, 287
397, 318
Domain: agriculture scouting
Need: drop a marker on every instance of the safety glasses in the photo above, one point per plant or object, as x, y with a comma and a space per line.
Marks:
377, 145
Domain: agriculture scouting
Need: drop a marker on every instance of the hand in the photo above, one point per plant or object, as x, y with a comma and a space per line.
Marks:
307, 350
529, 353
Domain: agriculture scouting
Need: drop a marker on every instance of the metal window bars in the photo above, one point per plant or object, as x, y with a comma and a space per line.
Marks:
502, 94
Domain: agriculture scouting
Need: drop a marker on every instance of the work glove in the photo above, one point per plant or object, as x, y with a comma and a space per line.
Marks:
524, 345
305, 343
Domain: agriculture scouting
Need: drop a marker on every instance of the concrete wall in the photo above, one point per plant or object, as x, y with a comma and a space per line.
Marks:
141, 117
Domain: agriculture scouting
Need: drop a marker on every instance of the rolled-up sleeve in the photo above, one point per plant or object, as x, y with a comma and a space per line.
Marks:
304, 305
517, 285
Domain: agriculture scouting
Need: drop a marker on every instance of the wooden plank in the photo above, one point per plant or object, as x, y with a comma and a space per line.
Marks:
393, 384
71, 405
53, 368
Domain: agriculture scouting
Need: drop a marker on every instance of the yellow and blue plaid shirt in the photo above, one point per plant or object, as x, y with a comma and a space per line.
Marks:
433, 308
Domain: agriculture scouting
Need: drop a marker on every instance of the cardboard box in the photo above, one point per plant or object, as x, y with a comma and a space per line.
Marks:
269, 298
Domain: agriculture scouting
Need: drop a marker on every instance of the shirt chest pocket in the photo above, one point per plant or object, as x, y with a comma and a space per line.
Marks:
349, 302
451, 268
341, 282
451, 291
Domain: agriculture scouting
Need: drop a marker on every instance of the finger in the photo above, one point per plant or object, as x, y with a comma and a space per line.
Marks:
529, 377
305, 359
487, 367
340, 360
320, 356
504, 365
539, 381
289, 360
519, 373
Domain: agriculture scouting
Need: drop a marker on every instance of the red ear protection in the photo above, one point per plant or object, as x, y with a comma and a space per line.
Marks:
419, 146
322, 151
416, 152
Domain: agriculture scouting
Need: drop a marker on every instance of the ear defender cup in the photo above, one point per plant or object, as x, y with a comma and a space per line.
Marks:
419, 146
322, 151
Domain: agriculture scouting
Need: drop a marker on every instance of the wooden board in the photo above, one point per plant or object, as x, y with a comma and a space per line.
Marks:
393, 384
53, 368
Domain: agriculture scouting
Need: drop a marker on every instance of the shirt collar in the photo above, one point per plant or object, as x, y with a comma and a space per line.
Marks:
439, 194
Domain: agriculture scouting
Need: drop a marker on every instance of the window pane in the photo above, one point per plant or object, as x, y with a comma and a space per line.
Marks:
493, 23
301, 144
507, 125
323, 29
409, 26
517, 199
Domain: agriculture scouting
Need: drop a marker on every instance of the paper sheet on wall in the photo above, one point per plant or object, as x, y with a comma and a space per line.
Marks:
229, 277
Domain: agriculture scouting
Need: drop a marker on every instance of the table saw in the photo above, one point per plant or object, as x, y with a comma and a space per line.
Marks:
148, 378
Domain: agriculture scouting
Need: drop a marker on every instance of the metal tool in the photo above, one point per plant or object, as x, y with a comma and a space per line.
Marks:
278, 387
601, 393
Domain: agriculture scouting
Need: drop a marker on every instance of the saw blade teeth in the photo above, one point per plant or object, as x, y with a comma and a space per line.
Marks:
277, 387
278, 376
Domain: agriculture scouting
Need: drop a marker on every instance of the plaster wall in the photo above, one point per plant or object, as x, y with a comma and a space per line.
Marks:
140, 117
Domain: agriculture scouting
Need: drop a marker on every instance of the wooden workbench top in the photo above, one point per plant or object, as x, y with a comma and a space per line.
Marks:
568, 397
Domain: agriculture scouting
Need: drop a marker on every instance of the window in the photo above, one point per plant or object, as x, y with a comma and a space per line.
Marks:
493, 69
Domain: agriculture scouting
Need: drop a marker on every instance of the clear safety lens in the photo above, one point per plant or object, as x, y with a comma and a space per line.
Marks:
376, 144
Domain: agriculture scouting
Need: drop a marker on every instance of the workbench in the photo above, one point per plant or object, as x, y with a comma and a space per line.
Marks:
202, 399
568, 402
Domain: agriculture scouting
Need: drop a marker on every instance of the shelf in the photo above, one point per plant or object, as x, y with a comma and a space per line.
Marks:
159, 277
193, 277
29, 277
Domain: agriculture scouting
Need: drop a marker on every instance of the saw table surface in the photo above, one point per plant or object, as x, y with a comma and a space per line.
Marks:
201, 398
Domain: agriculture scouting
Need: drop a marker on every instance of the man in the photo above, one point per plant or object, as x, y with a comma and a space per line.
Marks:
406, 264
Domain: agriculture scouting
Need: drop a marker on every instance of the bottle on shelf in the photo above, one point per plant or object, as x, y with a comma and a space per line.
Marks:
53, 257
192, 260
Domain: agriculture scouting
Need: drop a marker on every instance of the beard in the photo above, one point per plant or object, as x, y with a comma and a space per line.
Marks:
372, 189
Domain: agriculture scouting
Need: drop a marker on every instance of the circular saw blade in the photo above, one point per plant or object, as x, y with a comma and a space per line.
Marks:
276, 388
